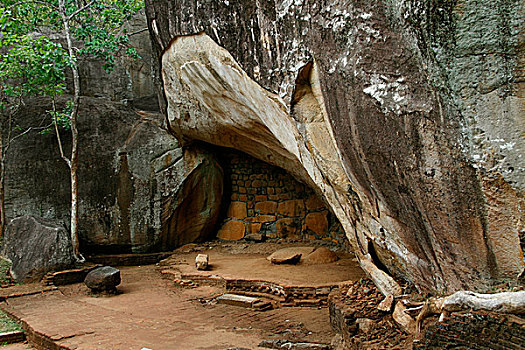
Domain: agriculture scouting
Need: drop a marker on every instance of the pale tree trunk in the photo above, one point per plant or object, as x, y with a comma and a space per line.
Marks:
73, 163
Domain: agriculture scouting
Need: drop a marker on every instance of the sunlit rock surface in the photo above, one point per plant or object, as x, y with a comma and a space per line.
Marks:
406, 117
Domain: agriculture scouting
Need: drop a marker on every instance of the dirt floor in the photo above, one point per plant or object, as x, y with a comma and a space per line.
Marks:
249, 261
152, 312
19, 346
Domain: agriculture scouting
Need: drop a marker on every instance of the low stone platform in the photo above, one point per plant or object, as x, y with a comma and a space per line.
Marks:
64, 277
128, 259
24, 290
252, 274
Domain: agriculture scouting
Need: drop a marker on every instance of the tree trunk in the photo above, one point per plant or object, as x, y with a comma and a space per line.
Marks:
73, 165
2, 195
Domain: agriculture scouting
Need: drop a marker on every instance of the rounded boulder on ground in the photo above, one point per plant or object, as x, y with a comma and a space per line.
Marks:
103, 279
321, 255
290, 255
36, 246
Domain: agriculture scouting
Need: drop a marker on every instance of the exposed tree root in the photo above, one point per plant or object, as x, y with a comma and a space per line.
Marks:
506, 302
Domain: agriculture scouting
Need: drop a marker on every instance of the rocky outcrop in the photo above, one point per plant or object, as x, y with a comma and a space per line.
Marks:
131, 81
190, 214
120, 152
138, 191
36, 246
367, 103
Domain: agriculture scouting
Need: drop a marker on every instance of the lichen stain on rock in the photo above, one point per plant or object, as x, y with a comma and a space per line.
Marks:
124, 198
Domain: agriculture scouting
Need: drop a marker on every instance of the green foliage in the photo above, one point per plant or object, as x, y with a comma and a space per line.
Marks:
102, 34
62, 117
5, 265
35, 64
8, 325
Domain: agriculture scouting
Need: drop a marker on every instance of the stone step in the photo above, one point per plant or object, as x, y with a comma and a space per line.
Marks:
237, 300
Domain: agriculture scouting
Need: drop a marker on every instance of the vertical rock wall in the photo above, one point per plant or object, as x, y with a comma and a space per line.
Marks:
393, 111
138, 190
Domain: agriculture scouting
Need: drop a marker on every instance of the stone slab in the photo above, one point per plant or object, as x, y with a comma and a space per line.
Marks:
237, 300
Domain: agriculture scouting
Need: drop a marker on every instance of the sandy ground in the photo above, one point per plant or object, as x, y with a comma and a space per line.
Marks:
20, 346
255, 266
152, 312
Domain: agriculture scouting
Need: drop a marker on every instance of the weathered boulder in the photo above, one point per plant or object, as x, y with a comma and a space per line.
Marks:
36, 246
190, 213
291, 255
320, 255
103, 279
395, 112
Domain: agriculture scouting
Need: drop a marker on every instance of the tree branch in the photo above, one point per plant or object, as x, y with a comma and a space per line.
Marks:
70, 17
62, 155
29, 130
138, 31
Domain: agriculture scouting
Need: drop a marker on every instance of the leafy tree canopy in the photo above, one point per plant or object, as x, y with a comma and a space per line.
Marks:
34, 60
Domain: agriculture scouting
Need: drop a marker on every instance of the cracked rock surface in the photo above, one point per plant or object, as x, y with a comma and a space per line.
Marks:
372, 104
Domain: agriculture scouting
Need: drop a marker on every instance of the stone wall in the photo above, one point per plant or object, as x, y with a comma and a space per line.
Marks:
475, 330
266, 199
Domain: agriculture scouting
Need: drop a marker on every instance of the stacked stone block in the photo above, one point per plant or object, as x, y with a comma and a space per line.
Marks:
266, 199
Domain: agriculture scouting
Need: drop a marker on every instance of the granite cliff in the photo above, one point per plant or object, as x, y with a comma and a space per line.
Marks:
405, 116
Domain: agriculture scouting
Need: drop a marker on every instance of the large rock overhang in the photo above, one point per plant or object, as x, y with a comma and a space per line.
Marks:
341, 100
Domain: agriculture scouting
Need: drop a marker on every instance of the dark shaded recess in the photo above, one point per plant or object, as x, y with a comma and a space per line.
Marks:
222, 156
191, 214
99, 249
375, 258
145, 103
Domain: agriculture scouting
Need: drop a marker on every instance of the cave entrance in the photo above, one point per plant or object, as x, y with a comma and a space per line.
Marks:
262, 200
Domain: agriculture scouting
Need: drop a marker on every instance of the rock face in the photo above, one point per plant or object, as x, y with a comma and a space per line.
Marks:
36, 246
139, 191
190, 213
394, 111
131, 81
103, 279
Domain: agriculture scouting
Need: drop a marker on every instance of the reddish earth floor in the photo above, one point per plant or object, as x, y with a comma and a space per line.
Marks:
21, 346
154, 313
249, 261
